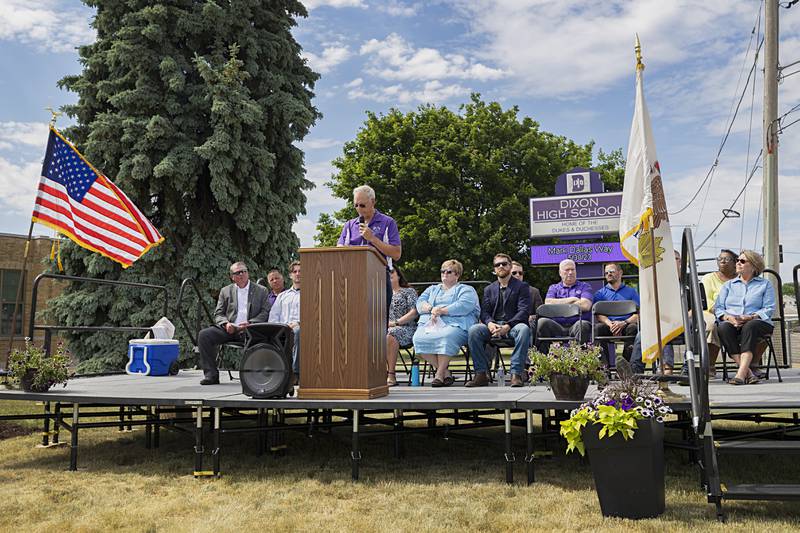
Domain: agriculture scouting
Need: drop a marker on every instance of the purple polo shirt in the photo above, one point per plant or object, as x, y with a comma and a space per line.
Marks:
581, 289
383, 226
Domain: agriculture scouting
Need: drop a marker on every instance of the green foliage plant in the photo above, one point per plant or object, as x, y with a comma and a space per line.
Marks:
617, 409
47, 370
570, 359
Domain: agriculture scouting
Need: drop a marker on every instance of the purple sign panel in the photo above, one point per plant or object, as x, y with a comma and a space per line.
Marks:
577, 214
580, 252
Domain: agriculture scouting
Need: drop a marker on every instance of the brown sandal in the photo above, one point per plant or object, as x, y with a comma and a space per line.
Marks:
736, 381
391, 379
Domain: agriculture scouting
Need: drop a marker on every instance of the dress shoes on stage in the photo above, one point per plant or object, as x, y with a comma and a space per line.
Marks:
210, 381
516, 380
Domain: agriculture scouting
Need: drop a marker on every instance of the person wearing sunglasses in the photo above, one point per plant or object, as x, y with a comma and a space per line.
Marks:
536, 297
239, 304
712, 285
446, 312
744, 311
623, 325
504, 314
373, 228
568, 291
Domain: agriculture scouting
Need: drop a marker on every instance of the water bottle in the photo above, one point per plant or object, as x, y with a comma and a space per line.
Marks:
415, 374
501, 377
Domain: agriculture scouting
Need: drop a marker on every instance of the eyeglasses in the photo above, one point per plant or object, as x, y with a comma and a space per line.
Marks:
360, 205
516, 273
447, 271
610, 272
742, 261
724, 260
501, 264
238, 272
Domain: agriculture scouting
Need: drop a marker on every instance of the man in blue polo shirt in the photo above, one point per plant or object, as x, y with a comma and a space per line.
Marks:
568, 291
628, 325
373, 228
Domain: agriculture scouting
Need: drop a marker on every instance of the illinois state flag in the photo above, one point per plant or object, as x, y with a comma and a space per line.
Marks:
645, 235
81, 203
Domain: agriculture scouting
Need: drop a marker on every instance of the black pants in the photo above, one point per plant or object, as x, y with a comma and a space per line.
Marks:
601, 330
745, 339
209, 340
547, 327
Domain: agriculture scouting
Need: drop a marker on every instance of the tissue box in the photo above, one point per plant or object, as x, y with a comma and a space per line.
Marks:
151, 357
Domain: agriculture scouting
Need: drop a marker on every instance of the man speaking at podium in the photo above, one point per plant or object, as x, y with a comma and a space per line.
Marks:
373, 228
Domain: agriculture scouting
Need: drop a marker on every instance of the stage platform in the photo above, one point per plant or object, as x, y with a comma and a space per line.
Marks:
180, 402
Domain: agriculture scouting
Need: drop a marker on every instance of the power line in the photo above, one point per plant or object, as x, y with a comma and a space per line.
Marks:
727, 133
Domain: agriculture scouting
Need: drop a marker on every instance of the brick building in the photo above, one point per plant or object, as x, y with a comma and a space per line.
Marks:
12, 250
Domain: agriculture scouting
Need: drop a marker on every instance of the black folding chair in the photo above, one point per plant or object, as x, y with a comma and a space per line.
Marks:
612, 308
557, 311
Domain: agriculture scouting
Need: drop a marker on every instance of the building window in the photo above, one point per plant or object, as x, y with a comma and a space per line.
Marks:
9, 285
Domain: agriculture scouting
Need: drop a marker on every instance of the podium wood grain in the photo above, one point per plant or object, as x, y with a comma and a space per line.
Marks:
343, 317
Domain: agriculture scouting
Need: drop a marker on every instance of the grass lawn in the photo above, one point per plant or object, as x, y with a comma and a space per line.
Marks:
453, 484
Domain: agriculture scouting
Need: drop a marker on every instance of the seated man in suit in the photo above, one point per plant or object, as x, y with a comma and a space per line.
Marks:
504, 314
568, 291
286, 310
623, 325
239, 304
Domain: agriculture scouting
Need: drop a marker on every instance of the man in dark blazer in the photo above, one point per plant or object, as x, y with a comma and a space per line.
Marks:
239, 304
504, 314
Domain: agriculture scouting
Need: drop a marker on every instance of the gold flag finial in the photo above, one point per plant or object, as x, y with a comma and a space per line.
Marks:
638, 50
53, 115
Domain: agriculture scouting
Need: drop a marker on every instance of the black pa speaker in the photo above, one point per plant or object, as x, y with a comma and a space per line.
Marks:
266, 368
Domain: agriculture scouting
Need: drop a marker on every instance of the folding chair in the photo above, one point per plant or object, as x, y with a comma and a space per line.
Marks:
612, 308
766, 339
557, 311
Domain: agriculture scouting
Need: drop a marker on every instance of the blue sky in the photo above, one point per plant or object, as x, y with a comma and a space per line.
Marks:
567, 64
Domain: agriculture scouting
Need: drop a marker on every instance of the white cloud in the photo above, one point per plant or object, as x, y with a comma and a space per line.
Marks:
328, 59
572, 48
395, 59
397, 9
355, 83
18, 185
319, 144
45, 24
314, 4
305, 228
320, 198
431, 92
25, 133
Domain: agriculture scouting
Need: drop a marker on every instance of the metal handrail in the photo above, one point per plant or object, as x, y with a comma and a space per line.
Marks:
97, 281
201, 305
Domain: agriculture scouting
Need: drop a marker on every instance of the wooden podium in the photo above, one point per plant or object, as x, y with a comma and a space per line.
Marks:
343, 323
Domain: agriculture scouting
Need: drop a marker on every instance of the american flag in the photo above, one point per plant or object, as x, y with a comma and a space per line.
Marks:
80, 202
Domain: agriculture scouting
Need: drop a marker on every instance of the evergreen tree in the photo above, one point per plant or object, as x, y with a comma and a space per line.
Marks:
193, 109
458, 184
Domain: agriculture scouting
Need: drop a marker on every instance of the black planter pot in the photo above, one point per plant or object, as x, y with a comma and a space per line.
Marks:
570, 388
26, 382
628, 474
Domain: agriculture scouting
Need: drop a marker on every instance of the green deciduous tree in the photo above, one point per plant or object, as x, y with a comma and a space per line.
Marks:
193, 109
458, 184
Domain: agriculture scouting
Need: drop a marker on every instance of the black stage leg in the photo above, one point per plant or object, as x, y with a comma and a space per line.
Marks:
56, 423
198, 443
529, 446
355, 453
122, 418
148, 428
73, 452
398, 436
157, 428
509, 455
46, 430
217, 439
260, 424
130, 417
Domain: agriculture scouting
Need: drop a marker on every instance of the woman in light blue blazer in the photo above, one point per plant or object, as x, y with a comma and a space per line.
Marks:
446, 312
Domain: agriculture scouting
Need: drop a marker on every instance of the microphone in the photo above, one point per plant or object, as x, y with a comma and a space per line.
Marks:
360, 220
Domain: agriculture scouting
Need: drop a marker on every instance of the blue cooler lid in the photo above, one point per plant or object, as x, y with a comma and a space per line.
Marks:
152, 342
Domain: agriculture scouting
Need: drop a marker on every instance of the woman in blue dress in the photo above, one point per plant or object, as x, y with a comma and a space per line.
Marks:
446, 312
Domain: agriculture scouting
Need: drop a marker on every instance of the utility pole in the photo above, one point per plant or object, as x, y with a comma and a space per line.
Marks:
770, 185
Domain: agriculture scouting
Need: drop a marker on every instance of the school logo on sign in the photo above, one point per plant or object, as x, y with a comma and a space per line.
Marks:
578, 183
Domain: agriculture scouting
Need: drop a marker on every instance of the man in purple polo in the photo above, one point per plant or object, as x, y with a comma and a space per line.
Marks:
373, 228
568, 291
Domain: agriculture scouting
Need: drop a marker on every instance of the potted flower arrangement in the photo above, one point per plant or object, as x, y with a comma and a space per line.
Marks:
622, 431
568, 368
35, 370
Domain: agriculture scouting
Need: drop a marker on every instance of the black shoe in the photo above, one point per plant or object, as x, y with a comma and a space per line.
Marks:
210, 381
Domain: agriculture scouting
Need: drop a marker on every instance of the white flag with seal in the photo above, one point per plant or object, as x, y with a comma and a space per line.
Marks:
645, 235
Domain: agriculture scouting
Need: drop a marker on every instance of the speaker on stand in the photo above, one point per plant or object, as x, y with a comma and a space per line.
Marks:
266, 368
